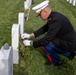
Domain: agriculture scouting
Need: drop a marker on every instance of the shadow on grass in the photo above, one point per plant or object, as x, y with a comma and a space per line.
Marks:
65, 69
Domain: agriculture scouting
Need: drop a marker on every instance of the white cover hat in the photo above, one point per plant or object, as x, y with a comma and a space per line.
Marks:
38, 8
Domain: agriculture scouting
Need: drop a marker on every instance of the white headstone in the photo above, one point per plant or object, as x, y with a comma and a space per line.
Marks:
6, 60
15, 42
67, 0
26, 6
70, 1
29, 2
21, 22
74, 2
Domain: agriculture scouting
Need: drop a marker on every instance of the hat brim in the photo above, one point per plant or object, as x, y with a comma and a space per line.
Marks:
38, 15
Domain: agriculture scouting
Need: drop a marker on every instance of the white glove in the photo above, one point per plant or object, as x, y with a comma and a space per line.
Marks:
27, 42
25, 36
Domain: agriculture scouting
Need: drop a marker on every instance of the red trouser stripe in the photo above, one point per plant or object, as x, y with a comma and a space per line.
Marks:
48, 56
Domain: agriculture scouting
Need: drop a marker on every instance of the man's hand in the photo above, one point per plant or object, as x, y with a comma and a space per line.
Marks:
27, 42
25, 35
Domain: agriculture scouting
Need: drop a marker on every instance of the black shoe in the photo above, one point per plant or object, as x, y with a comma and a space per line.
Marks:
47, 63
72, 55
56, 64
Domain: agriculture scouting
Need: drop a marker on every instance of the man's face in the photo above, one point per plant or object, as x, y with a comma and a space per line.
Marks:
43, 15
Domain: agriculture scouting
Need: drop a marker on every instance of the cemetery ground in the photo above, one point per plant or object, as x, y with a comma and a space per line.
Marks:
32, 61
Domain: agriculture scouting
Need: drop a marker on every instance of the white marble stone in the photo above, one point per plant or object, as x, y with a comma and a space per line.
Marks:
6, 61
21, 22
67, 0
74, 2
70, 1
15, 42
27, 6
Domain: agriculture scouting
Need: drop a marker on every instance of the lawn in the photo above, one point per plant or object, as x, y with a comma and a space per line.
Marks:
33, 60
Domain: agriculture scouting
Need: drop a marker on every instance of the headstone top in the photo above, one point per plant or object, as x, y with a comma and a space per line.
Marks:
6, 46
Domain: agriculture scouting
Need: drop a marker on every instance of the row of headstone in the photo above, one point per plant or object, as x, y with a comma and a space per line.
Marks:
9, 55
18, 29
73, 2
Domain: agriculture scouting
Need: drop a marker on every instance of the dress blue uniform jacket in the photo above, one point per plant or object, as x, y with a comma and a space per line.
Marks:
59, 31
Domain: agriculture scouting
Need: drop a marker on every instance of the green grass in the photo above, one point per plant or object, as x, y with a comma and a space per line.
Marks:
9, 10
33, 61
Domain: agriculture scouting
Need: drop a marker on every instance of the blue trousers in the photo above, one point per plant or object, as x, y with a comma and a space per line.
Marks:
53, 51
